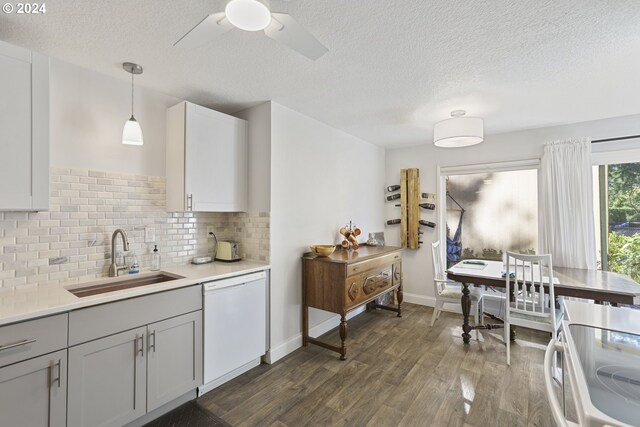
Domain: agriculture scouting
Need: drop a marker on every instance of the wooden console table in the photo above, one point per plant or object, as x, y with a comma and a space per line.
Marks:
347, 280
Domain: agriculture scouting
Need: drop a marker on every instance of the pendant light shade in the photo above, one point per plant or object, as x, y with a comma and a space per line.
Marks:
132, 132
458, 131
248, 15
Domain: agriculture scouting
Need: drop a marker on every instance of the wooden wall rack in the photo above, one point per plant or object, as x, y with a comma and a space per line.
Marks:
410, 207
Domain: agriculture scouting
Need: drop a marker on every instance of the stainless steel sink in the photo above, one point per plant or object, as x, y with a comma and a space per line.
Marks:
111, 285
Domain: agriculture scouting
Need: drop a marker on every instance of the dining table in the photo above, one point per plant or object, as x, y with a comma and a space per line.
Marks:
597, 285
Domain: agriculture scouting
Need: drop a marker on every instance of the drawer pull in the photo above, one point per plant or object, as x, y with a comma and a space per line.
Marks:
140, 349
18, 344
372, 285
355, 268
58, 379
152, 346
353, 291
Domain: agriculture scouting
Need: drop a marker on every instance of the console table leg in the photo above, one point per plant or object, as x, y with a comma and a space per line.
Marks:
466, 309
305, 325
400, 297
343, 337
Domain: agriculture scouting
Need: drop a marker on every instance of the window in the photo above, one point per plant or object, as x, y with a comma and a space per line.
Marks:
489, 211
617, 214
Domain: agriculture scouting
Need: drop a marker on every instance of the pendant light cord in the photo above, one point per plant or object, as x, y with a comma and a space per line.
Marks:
131, 94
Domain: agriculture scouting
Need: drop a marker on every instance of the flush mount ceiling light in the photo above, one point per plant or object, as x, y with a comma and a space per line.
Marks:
248, 15
132, 133
458, 131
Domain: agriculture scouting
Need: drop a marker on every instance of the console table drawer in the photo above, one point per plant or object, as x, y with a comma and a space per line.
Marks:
371, 264
367, 285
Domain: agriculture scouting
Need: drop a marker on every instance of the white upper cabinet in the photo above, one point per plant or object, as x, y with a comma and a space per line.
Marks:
207, 160
24, 129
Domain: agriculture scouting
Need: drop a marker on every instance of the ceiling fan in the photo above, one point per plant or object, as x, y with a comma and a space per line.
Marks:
255, 15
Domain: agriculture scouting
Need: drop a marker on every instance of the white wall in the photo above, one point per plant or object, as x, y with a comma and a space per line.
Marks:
521, 145
320, 179
259, 118
88, 112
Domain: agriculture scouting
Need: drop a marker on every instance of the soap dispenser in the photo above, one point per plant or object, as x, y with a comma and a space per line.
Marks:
155, 259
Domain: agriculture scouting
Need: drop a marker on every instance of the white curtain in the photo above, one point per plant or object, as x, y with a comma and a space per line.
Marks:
566, 204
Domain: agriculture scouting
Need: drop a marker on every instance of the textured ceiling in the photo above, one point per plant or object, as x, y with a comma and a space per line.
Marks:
393, 69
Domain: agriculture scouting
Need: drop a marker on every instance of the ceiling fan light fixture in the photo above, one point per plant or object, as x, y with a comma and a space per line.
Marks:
458, 131
248, 15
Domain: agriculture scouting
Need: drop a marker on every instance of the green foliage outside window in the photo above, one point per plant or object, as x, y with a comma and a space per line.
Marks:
624, 193
624, 211
624, 254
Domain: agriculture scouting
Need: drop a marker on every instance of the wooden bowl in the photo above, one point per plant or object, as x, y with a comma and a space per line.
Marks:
322, 250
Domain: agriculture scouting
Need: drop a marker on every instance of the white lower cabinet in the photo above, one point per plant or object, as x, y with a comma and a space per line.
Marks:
117, 379
34, 392
174, 361
107, 380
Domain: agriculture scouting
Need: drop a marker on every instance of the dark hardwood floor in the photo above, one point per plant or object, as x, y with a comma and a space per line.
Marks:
398, 372
190, 414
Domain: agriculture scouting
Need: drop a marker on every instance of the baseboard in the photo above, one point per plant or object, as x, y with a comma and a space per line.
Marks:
167, 407
491, 305
333, 322
431, 302
419, 299
276, 353
294, 343
228, 377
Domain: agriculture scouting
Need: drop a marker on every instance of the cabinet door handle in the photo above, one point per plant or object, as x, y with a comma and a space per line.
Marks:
58, 379
152, 346
18, 344
189, 202
140, 347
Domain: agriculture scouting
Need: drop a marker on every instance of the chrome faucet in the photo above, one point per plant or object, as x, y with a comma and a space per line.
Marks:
114, 268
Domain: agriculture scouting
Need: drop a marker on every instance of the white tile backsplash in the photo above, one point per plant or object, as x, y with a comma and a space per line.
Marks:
72, 241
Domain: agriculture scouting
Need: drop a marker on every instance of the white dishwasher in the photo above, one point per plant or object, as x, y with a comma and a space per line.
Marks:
235, 327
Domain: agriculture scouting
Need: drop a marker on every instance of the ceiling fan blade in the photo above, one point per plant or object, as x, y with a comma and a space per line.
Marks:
286, 30
210, 27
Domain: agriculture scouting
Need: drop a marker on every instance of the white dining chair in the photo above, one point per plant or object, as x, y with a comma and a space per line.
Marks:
450, 292
528, 276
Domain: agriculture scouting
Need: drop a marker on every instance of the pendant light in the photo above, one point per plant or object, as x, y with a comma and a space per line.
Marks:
458, 131
132, 133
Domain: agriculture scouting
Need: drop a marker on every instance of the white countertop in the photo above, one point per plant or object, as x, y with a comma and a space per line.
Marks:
603, 316
20, 304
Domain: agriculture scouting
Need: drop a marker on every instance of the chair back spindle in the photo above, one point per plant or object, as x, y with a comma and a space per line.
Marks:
532, 275
530, 279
